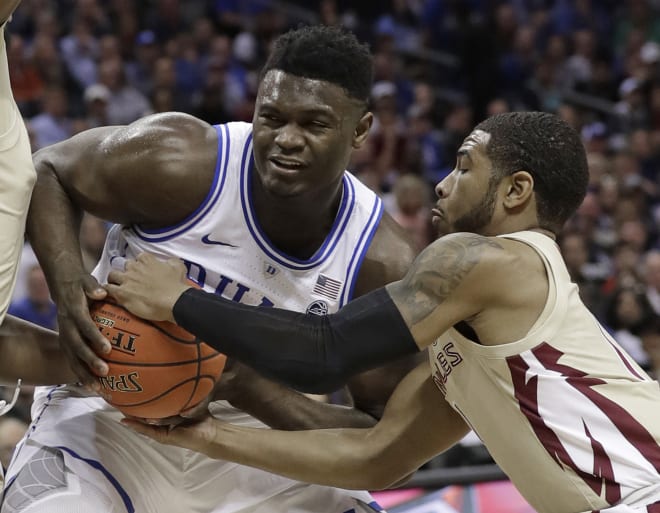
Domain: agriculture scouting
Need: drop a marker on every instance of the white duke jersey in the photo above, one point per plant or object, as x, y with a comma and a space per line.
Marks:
226, 253
564, 411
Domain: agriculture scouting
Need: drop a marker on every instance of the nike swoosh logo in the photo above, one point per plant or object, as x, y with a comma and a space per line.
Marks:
206, 240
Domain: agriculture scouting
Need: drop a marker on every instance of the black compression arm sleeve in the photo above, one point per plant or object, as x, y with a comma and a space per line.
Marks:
308, 352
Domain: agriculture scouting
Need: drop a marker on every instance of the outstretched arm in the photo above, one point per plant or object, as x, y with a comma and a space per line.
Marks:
32, 354
417, 424
445, 285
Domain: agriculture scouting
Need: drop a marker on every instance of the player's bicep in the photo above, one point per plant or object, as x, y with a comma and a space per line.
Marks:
151, 171
447, 283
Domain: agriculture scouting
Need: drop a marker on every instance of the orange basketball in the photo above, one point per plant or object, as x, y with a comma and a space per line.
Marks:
157, 369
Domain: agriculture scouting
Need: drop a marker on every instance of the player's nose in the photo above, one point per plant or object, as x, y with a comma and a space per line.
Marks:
289, 138
442, 188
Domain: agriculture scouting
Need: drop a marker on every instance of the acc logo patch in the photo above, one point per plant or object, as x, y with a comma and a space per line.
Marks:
319, 307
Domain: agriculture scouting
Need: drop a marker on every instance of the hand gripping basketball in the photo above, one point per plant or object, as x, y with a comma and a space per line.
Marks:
156, 368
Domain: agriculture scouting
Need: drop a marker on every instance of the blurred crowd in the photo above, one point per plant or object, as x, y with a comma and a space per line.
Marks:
441, 66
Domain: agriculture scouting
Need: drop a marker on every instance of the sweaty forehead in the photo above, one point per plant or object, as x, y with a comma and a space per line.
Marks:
281, 89
476, 143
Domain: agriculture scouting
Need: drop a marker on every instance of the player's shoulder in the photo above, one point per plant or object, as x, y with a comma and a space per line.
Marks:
478, 249
485, 264
170, 125
388, 258
166, 138
236, 129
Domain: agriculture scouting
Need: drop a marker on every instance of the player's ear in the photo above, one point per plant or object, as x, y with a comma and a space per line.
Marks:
362, 129
520, 188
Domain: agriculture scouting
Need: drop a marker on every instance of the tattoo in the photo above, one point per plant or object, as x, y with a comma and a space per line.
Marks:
437, 271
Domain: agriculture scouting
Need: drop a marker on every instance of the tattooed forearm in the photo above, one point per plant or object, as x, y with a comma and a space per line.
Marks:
437, 271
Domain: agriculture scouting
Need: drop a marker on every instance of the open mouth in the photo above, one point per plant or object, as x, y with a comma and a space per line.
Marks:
287, 164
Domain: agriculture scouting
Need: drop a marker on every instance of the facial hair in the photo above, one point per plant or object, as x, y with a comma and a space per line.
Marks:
475, 220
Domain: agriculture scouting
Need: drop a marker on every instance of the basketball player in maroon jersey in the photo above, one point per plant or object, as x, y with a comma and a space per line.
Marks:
514, 353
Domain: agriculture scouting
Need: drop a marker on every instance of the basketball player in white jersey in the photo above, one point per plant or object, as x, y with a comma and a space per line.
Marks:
263, 214
515, 354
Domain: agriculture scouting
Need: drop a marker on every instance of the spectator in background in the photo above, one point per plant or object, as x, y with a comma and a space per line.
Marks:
168, 19
595, 137
625, 269
92, 13
410, 208
219, 59
651, 274
576, 252
631, 108
212, 103
497, 106
424, 149
109, 48
233, 16
631, 318
456, 128
27, 83
187, 67
139, 71
387, 140
36, 306
166, 84
49, 63
126, 103
579, 66
96, 105
570, 114
52, 124
80, 50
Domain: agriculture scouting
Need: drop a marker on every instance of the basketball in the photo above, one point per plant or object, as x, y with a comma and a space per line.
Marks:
156, 369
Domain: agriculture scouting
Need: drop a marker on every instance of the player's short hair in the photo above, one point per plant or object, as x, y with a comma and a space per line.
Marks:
324, 53
550, 150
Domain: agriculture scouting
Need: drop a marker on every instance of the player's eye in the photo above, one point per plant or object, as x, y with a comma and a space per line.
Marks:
271, 118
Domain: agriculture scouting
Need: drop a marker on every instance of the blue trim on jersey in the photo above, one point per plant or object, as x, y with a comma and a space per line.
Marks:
373, 505
341, 220
128, 504
376, 506
49, 398
360, 251
219, 177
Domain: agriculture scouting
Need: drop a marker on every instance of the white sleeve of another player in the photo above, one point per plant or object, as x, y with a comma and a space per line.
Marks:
17, 177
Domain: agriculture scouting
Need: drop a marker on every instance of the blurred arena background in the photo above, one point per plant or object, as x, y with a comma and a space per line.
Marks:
441, 66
